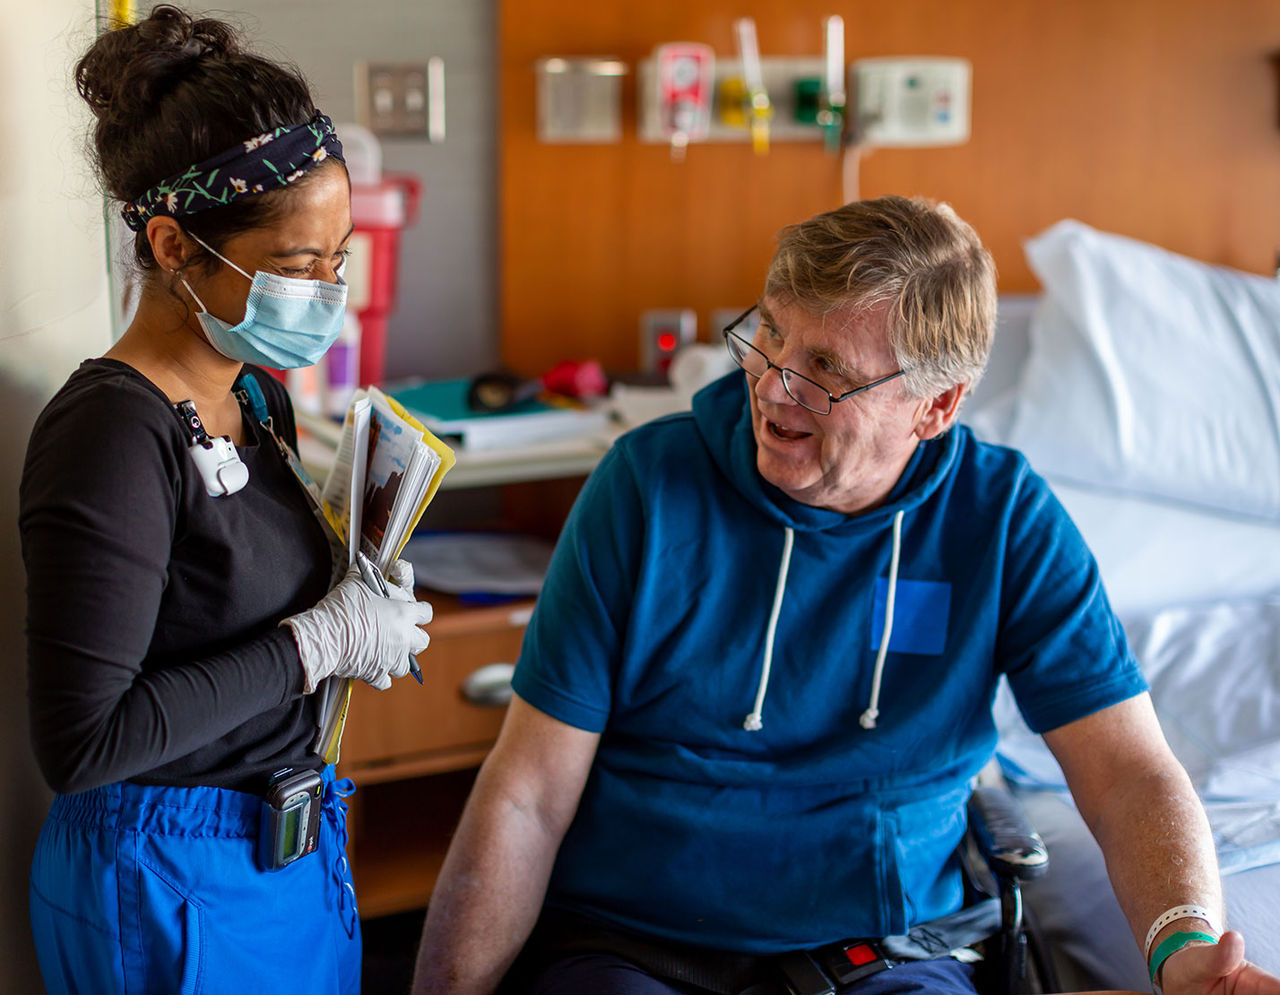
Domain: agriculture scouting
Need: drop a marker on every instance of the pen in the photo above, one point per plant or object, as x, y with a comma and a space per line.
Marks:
374, 581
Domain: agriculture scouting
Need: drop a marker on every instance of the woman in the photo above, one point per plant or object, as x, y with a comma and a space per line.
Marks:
179, 611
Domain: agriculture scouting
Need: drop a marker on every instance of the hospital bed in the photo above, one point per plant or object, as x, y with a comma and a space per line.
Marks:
1146, 388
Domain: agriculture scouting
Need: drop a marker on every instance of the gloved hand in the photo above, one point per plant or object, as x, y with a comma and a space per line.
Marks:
400, 581
353, 632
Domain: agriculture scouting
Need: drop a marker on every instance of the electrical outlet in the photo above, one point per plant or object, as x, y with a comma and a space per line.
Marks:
662, 333
404, 99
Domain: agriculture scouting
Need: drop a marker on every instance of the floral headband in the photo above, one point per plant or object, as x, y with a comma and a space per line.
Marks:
264, 162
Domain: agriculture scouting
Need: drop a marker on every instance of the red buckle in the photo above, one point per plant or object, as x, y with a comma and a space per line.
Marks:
860, 954
851, 960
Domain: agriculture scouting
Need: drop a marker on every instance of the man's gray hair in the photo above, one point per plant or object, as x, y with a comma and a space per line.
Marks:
913, 253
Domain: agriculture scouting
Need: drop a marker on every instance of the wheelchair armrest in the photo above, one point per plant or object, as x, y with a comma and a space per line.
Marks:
1003, 835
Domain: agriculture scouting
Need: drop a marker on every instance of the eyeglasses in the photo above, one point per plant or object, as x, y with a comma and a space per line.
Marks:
799, 388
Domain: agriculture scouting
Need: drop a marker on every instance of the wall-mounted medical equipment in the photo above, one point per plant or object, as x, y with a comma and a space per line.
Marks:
875, 102
678, 86
757, 107
903, 102
579, 99
793, 84
833, 97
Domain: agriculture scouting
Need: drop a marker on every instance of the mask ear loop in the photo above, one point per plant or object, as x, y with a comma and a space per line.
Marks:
209, 248
194, 296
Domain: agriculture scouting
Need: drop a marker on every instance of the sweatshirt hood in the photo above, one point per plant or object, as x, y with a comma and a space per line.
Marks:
722, 413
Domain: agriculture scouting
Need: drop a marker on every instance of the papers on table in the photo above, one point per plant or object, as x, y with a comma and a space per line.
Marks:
479, 562
442, 406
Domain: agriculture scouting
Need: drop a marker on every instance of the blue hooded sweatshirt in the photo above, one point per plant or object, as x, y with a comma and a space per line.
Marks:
766, 779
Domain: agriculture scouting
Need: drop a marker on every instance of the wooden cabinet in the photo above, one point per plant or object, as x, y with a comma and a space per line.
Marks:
411, 730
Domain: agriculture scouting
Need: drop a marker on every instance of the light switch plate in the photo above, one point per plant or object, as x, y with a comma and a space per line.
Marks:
401, 99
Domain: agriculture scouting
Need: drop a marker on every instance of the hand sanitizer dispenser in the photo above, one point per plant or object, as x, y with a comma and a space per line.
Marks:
684, 78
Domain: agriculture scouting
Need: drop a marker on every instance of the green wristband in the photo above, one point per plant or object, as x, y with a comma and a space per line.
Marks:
1171, 945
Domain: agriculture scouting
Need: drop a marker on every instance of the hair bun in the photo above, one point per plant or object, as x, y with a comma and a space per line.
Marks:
141, 61
173, 90
172, 31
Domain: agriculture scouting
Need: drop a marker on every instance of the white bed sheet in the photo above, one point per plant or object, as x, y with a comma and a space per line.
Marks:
1214, 672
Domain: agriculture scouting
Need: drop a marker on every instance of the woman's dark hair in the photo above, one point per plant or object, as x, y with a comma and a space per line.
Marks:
172, 91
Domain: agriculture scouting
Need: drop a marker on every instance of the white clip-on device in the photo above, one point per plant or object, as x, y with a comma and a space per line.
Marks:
215, 456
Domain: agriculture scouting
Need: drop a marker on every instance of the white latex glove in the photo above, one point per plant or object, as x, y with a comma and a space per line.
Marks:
353, 632
400, 581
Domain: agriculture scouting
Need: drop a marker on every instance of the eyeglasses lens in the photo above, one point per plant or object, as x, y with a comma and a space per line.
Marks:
745, 356
806, 394
754, 362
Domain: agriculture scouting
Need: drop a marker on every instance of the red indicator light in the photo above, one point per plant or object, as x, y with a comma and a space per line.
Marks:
666, 341
860, 955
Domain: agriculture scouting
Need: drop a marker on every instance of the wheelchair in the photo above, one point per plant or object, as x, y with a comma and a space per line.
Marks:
1000, 851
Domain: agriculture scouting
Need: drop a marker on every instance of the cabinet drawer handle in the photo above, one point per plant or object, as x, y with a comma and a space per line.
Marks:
489, 686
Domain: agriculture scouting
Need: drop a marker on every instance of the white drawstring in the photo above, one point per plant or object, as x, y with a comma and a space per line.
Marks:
754, 721
868, 719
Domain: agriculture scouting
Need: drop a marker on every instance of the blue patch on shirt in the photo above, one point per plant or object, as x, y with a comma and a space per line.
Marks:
921, 609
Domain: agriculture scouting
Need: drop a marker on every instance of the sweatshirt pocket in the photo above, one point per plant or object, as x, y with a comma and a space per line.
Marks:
925, 855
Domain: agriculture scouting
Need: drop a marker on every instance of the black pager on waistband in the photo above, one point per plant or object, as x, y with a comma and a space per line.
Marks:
290, 826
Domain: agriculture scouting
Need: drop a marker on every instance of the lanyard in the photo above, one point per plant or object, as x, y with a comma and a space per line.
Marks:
334, 695
250, 396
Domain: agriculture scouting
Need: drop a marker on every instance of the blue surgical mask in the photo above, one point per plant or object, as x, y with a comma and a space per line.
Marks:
287, 324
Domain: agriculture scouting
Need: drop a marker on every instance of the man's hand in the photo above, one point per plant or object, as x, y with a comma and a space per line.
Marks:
1216, 970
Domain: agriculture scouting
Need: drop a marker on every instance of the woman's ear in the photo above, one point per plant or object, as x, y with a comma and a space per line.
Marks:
168, 243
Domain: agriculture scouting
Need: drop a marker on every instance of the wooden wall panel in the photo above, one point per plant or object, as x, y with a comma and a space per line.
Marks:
1151, 118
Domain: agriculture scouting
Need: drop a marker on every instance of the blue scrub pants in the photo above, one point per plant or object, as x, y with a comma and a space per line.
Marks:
156, 889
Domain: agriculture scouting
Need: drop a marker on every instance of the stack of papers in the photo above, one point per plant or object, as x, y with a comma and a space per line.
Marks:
387, 470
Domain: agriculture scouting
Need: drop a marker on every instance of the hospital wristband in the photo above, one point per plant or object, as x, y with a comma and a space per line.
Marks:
1172, 944
1173, 915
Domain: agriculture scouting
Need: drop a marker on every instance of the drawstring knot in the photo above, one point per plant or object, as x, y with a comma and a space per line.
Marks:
754, 721
335, 811
868, 718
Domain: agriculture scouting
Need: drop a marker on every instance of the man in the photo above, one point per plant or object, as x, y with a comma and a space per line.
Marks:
758, 684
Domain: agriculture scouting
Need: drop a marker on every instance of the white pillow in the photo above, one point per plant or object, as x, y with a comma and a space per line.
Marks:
1152, 373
